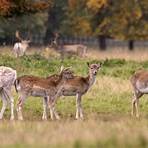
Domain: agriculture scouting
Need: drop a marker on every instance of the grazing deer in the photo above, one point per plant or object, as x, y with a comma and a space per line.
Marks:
78, 86
74, 49
7, 78
41, 87
139, 82
21, 46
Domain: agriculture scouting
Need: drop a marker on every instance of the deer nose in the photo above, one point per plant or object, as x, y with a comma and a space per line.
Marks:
95, 73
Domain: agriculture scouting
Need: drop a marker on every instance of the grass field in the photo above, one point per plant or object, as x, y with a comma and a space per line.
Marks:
107, 105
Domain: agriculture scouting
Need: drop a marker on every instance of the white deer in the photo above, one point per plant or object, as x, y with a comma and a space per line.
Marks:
7, 79
78, 86
41, 87
139, 82
19, 48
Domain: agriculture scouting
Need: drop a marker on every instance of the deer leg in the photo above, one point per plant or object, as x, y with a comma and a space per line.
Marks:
137, 106
17, 53
11, 100
135, 103
45, 104
4, 100
51, 109
78, 107
19, 107
133, 106
54, 110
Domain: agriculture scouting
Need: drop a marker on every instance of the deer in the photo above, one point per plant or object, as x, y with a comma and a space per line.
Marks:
20, 47
7, 79
139, 81
29, 85
78, 86
74, 49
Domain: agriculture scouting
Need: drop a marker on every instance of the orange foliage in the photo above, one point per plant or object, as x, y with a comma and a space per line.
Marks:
95, 5
72, 4
40, 5
5, 6
8, 6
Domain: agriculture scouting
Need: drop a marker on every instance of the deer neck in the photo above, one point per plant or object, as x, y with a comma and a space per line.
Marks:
91, 79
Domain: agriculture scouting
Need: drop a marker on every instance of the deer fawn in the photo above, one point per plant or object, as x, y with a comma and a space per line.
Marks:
7, 78
41, 87
21, 46
78, 86
139, 82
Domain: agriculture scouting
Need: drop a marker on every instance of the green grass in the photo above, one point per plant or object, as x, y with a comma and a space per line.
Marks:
106, 106
38, 65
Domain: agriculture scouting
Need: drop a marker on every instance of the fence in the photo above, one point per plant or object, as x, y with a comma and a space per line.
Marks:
38, 39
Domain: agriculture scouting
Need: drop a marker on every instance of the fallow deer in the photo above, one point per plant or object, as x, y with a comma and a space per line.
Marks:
139, 82
41, 87
71, 49
20, 47
78, 86
7, 79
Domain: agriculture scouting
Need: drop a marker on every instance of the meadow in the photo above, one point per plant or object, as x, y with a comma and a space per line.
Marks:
107, 105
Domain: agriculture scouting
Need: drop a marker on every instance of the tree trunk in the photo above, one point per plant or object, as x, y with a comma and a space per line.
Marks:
102, 42
52, 25
131, 45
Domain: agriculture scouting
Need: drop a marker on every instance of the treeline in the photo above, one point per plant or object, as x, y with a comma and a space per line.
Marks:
117, 19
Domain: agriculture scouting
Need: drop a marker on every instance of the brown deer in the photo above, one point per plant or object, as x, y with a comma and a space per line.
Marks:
20, 47
41, 87
139, 82
72, 49
78, 86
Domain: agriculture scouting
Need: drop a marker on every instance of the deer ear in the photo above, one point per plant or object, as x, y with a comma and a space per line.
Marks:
62, 68
100, 64
88, 64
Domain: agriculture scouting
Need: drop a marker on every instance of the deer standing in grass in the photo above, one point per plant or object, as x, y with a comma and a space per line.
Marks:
20, 47
7, 79
72, 49
78, 86
139, 82
41, 87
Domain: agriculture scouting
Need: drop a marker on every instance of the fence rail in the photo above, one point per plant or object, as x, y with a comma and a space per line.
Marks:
38, 39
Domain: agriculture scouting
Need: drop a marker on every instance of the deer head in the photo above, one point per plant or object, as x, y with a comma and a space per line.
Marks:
93, 68
23, 41
67, 73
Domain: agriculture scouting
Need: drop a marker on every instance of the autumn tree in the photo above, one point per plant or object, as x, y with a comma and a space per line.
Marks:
23, 15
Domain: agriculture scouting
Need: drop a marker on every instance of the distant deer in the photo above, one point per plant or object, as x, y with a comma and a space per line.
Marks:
41, 87
73, 49
139, 82
7, 79
78, 86
21, 46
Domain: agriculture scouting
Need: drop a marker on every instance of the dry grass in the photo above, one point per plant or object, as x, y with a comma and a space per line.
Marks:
113, 132
137, 54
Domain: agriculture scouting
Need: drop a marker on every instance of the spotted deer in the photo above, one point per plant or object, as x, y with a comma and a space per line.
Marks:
139, 83
71, 49
7, 79
78, 86
41, 87
20, 47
